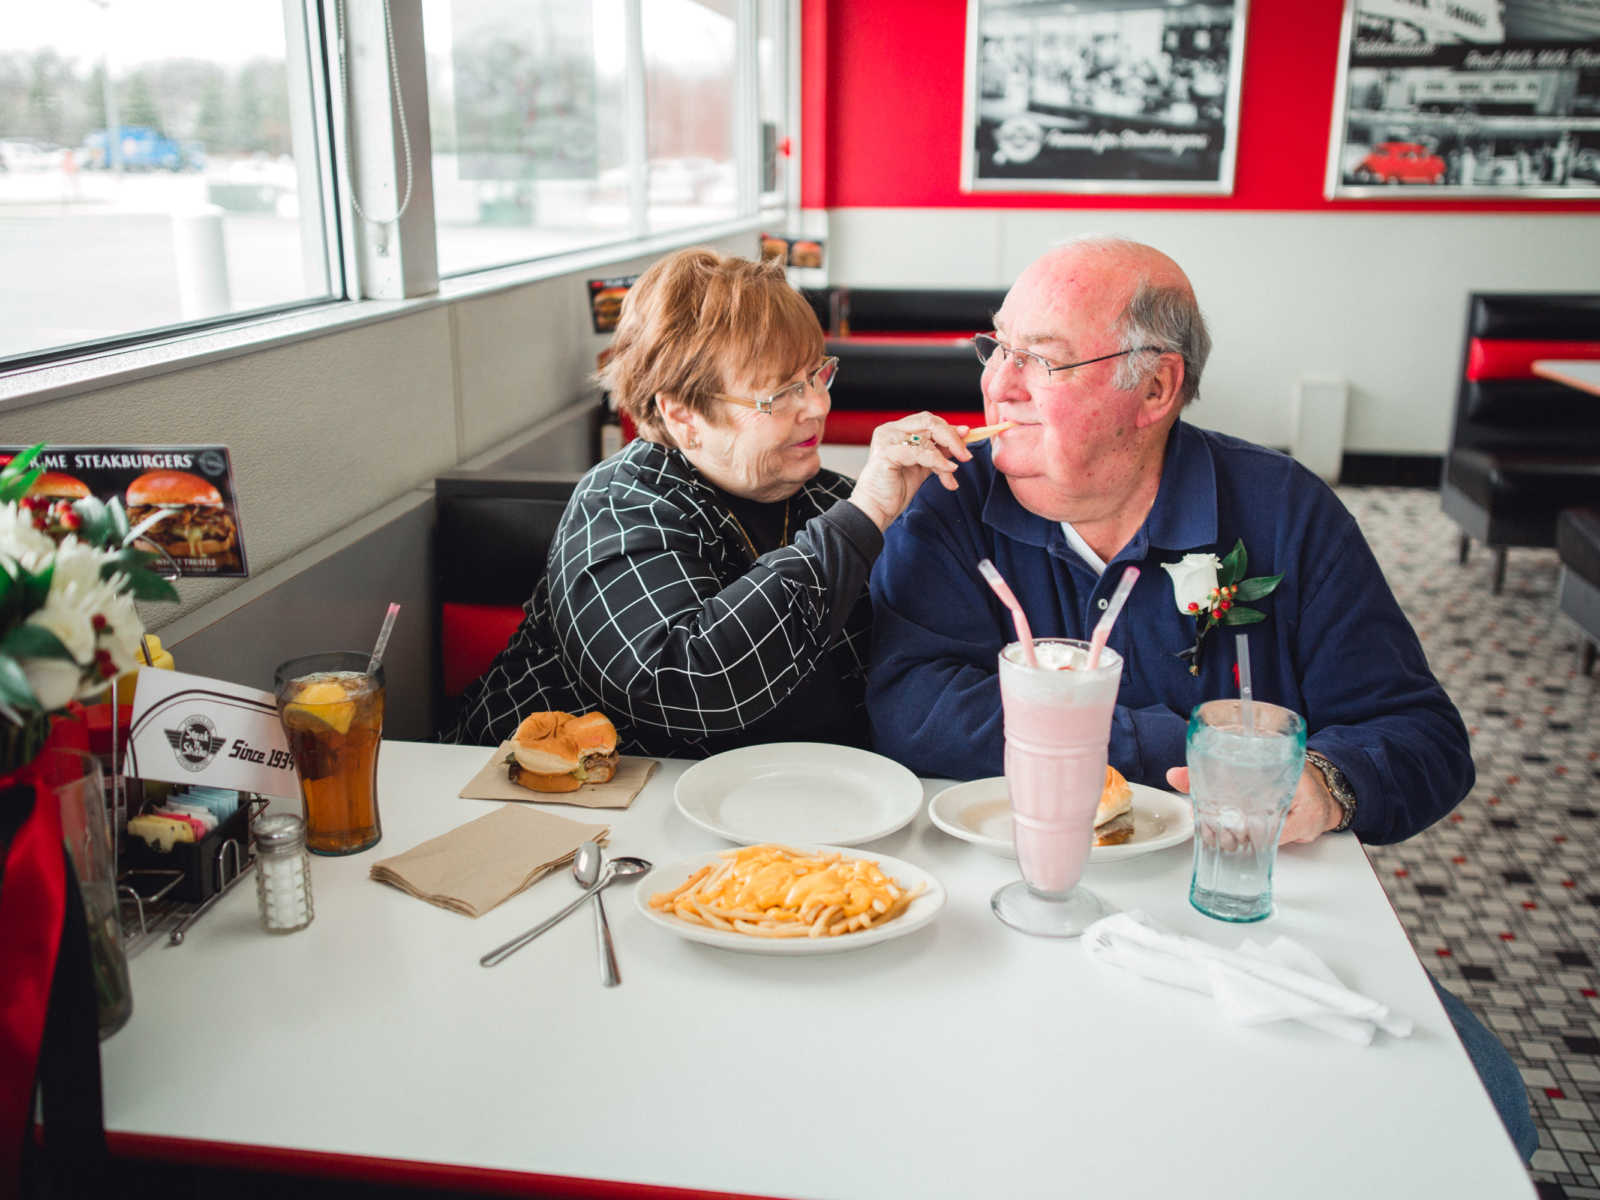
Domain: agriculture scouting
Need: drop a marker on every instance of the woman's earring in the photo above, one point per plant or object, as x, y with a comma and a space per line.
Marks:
692, 444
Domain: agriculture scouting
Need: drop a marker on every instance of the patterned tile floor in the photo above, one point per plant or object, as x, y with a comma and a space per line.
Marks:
1502, 898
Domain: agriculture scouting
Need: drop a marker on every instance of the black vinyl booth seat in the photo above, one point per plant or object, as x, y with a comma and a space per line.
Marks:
1523, 448
1578, 595
492, 534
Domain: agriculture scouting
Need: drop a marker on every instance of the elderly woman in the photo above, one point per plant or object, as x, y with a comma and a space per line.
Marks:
707, 586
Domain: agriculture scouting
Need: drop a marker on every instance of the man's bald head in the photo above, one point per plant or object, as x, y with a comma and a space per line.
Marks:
1144, 296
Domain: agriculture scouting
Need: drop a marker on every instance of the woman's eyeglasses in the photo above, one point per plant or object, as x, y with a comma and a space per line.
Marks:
786, 399
1034, 367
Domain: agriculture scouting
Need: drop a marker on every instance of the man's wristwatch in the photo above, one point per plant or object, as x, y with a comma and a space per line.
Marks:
1338, 787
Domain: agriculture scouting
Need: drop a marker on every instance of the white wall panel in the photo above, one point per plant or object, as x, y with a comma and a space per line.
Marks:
1374, 298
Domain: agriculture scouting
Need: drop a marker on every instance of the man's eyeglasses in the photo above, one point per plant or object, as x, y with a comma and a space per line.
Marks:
786, 399
1034, 366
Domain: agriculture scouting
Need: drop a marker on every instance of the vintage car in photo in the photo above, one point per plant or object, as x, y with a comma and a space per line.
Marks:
1400, 162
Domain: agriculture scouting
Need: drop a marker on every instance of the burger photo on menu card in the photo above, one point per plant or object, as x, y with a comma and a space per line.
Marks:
195, 525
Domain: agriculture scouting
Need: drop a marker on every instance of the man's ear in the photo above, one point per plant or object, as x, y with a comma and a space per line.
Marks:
1162, 391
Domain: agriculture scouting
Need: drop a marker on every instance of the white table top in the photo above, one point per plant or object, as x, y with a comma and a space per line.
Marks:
1583, 374
962, 1060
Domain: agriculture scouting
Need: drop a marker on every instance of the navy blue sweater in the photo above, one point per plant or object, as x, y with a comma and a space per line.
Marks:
1334, 647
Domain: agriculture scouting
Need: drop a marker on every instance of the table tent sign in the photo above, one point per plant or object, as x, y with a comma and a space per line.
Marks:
190, 729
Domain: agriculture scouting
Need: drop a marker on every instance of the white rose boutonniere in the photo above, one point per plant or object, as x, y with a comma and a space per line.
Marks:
1194, 579
1211, 590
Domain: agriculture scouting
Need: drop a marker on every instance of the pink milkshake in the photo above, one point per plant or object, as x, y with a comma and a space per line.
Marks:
1057, 726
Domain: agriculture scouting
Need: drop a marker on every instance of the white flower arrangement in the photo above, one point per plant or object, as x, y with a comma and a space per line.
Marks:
68, 623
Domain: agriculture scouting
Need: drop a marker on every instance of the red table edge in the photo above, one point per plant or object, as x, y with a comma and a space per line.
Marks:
367, 1169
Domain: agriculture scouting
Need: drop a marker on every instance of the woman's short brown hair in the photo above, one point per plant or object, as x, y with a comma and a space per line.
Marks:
697, 319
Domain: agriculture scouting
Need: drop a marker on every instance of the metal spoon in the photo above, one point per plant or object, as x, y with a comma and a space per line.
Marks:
586, 869
618, 868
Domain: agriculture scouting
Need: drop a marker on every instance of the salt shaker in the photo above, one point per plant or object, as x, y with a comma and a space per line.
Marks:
283, 873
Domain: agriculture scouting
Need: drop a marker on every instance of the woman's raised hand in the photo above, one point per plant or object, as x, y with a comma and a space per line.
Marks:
902, 455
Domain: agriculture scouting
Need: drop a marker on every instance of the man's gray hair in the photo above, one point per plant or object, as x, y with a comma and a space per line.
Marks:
1170, 319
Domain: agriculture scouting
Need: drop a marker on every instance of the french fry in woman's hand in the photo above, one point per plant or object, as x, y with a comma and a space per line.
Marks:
984, 432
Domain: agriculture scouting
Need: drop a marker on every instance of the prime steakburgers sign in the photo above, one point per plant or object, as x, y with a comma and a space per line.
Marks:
182, 496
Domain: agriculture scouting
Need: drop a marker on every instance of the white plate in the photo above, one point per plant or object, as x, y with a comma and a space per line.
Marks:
918, 913
795, 792
980, 812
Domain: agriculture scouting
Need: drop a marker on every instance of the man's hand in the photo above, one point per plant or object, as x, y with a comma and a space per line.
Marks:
1312, 812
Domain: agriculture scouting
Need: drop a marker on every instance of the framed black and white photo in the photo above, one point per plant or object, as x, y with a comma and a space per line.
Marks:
1467, 98
1102, 95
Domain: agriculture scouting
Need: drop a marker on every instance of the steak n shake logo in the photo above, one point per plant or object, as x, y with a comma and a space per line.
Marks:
190, 729
195, 742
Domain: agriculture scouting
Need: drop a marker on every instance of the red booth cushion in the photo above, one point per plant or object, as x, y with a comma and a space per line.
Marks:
470, 635
1504, 358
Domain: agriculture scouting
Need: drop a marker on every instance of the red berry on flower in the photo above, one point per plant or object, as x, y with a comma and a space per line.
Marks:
1225, 605
71, 519
99, 622
1193, 607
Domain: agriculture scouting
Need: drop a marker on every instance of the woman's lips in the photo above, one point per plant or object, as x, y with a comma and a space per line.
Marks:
808, 443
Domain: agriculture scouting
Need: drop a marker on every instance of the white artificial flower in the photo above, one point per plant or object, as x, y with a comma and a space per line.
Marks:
1194, 577
77, 567
123, 629
54, 681
20, 541
71, 619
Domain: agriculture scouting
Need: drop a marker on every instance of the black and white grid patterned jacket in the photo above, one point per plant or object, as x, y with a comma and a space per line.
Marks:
652, 610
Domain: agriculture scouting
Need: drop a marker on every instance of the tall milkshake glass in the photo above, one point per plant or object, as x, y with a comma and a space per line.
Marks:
1057, 727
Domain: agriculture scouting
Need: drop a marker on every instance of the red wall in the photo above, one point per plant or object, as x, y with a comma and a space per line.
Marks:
882, 88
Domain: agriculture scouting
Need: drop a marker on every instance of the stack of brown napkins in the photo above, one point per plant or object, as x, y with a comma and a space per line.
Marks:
491, 783
488, 860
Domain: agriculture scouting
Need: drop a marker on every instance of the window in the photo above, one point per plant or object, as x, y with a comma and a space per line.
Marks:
691, 95
526, 104
158, 167
169, 165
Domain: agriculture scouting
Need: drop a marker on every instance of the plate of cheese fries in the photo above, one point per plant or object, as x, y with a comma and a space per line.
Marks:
779, 899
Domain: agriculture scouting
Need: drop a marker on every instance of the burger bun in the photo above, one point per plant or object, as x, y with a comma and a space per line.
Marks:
558, 752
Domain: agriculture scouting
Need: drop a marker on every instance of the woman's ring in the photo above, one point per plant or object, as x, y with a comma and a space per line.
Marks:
913, 439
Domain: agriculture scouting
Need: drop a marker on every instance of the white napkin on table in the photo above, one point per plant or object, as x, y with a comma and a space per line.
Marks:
1253, 985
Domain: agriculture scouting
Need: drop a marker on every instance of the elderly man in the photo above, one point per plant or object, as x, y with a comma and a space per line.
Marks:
1097, 349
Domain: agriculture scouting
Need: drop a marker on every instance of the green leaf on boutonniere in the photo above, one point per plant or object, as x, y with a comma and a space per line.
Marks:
1243, 616
1233, 565
33, 641
14, 689
1262, 585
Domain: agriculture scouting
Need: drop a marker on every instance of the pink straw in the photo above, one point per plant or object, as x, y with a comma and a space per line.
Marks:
1009, 599
1102, 631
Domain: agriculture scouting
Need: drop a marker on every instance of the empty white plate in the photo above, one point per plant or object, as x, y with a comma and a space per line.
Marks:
980, 812
792, 792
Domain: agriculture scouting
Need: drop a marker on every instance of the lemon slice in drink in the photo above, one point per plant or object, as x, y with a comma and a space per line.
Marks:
321, 704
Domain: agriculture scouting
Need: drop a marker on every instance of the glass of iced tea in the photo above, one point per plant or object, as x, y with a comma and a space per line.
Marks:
332, 714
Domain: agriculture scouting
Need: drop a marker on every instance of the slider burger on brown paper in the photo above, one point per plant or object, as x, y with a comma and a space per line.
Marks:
558, 752
1113, 820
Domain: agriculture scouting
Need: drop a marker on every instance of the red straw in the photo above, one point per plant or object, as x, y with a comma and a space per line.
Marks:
1009, 599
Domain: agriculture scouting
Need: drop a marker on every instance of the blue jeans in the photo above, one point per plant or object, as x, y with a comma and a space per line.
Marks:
1499, 1074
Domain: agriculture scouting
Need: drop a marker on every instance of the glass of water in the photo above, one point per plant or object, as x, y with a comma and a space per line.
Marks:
1241, 781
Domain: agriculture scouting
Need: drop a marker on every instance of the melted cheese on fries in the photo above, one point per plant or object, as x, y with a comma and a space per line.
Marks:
772, 891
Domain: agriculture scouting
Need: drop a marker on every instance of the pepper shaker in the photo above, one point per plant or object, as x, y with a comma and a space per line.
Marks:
283, 873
